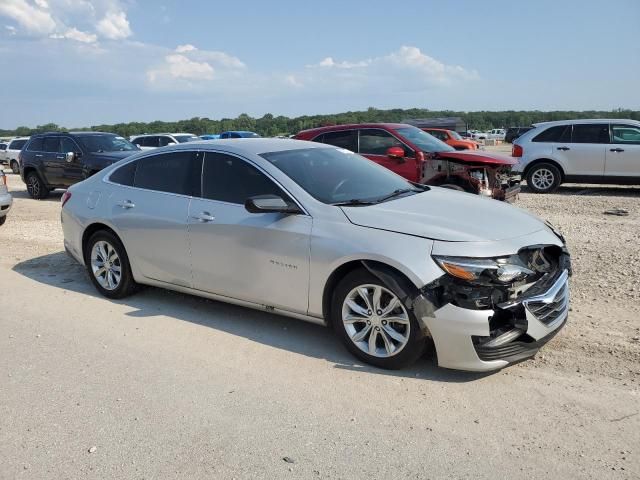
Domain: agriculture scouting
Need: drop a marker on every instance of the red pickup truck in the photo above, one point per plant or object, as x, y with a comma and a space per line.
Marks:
422, 158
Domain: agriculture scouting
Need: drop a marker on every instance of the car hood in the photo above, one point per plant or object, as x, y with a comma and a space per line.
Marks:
479, 156
447, 215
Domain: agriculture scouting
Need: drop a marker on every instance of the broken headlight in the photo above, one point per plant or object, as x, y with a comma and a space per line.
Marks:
503, 270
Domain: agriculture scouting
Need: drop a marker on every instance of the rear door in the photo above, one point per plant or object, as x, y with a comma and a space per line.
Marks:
261, 258
151, 215
585, 154
623, 153
374, 143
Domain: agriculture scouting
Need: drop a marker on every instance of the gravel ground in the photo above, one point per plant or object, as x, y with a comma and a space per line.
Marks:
164, 385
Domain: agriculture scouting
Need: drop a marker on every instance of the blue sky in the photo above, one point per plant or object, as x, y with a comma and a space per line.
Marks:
79, 62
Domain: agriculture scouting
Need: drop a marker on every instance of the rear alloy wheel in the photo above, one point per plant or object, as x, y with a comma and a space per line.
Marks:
36, 188
108, 265
543, 178
15, 168
374, 323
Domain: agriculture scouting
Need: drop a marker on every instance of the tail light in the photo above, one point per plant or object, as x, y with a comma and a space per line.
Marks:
516, 151
66, 196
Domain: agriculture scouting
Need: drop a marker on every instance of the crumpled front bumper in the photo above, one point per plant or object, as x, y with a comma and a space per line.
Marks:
464, 340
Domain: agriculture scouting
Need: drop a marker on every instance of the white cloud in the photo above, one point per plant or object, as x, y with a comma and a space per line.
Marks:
185, 48
77, 35
114, 25
42, 3
331, 63
34, 20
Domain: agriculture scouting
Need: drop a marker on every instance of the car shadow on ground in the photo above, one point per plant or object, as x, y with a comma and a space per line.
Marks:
61, 271
593, 190
54, 196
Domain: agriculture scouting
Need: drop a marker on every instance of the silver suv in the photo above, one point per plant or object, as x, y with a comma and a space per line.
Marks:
579, 151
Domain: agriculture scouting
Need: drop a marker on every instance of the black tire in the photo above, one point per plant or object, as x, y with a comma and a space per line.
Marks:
36, 187
2, 220
15, 167
127, 285
407, 355
544, 178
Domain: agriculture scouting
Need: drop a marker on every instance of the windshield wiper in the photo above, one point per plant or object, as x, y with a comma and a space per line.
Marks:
397, 193
354, 202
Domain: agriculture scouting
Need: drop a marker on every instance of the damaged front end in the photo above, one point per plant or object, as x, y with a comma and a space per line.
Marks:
488, 312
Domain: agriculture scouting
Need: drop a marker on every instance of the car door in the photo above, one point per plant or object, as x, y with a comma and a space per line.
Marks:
72, 171
261, 258
623, 153
52, 161
151, 214
373, 143
584, 155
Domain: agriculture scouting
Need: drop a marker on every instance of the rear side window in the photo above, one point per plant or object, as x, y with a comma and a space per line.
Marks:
174, 172
590, 133
35, 145
17, 144
51, 144
125, 175
230, 179
559, 133
344, 139
625, 134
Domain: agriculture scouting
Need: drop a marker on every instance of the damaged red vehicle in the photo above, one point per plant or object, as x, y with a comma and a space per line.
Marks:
422, 158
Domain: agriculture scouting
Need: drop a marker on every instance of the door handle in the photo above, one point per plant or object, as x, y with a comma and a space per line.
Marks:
126, 204
617, 150
60, 157
204, 217
564, 149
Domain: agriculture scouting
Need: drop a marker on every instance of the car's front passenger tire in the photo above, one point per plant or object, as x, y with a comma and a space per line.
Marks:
374, 324
108, 265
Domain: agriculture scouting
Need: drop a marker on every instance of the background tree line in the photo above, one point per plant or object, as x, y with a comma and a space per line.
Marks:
270, 125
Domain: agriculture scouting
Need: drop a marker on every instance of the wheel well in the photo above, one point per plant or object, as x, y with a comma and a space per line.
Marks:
543, 160
90, 230
345, 269
28, 170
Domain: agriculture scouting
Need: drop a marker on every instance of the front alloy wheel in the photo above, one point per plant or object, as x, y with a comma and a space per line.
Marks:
374, 323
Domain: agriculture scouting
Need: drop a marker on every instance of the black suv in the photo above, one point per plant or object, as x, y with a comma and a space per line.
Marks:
58, 160
514, 132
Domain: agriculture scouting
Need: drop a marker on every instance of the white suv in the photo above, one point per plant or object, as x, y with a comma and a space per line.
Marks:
157, 140
579, 151
13, 151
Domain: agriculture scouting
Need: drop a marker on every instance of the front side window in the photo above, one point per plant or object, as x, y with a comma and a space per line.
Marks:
590, 133
344, 139
226, 178
425, 142
17, 144
376, 142
557, 134
174, 172
628, 134
67, 145
334, 175
51, 144
99, 143
35, 145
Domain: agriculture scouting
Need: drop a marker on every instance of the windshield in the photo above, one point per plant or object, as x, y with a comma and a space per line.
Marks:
106, 143
425, 142
456, 135
185, 138
336, 175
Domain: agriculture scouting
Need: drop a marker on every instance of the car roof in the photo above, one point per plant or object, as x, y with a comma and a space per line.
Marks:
162, 133
586, 120
246, 146
348, 126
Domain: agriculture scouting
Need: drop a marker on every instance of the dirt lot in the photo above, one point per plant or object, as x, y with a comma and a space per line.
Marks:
164, 385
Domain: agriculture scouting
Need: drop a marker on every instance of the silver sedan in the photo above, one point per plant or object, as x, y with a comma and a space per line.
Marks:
322, 234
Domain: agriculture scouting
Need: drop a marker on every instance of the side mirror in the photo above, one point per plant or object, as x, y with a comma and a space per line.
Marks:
396, 153
69, 157
270, 204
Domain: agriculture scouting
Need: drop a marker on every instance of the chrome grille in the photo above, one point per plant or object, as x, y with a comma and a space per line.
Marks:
551, 309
